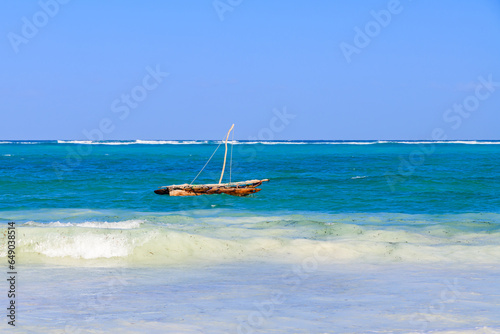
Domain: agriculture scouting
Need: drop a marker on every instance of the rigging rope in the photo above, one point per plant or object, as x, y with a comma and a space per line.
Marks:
206, 163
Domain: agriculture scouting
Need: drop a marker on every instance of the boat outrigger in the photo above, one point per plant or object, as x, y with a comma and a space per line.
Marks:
242, 188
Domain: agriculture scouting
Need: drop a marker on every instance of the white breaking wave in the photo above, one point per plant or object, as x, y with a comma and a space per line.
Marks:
88, 142
353, 143
20, 142
306, 142
162, 142
333, 242
470, 142
473, 142
125, 225
74, 142
138, 141
271, 142
113, 143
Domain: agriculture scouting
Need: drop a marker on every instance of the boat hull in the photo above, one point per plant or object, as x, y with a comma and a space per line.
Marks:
244, 188
229, 191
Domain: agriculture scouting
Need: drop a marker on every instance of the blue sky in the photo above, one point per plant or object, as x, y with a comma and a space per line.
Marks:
92, 69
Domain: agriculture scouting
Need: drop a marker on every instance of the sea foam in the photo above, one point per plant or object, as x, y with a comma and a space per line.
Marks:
138, 242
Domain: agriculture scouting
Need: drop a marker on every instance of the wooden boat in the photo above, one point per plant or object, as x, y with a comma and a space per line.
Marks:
242, 188
236, 189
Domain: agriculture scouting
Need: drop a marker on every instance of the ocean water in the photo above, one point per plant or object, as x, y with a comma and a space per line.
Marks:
347, 237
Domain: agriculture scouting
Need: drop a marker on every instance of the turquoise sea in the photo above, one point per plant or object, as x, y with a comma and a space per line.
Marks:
347, 237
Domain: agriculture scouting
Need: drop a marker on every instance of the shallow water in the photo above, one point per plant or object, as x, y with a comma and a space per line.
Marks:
259, 297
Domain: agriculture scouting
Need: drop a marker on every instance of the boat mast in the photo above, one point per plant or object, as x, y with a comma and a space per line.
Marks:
225, 154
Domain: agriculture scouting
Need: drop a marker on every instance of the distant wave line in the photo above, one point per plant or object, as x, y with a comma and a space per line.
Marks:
252, 142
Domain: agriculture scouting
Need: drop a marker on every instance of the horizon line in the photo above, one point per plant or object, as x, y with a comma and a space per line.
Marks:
248, 140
